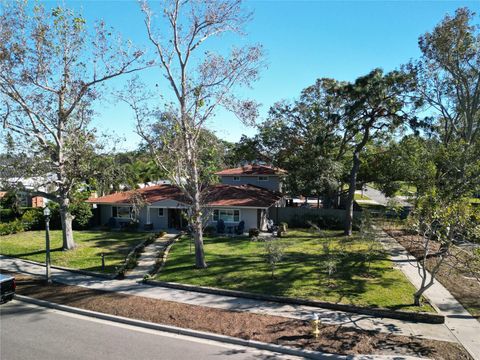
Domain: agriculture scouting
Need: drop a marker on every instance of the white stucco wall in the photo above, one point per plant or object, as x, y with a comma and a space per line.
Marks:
248, 215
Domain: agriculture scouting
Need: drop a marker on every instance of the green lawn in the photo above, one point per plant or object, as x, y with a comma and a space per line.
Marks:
90, 244
238, 263
360, 197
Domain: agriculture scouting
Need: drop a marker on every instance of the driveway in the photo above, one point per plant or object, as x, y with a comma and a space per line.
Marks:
380, 198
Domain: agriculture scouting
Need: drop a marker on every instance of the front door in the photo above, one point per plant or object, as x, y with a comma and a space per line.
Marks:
175, 219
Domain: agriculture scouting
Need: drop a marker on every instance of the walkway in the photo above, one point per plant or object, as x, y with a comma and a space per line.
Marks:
149, 256
458, 320
392, 326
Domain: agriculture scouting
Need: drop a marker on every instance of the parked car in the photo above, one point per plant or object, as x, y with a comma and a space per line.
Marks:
7, 288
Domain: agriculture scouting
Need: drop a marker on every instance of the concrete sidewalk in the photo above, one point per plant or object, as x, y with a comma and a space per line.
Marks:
391, 326
149, 257
458, 320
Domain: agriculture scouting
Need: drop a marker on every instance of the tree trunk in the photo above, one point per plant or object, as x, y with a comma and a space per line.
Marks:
196, 219
199, 252
353, 180
198, 234
351, 193
67, 232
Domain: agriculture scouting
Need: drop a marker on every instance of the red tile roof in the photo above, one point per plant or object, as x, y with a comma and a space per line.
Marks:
241, 195
253, 170
151, 194
216, 195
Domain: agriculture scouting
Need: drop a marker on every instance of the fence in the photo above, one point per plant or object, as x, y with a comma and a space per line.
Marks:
300, 217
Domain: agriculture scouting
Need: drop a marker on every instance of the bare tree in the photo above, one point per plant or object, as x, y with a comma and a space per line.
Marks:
51, 68
201, 81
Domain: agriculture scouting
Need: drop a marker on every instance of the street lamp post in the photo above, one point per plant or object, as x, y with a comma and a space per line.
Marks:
46, 212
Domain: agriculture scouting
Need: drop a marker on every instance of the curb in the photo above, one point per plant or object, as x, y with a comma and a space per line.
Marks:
420, 317
187, 332
81, 272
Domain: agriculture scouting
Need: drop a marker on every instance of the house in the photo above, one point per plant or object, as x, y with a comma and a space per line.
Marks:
162, 205
259, 175
27, 200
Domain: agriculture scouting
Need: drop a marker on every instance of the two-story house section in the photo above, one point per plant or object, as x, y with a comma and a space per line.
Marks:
265, 176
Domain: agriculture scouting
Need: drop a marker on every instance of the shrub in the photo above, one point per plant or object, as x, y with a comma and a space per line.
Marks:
11, 227
132, 225
328, 222
83, 213
33, 219
209, 230
6, 215
253, 232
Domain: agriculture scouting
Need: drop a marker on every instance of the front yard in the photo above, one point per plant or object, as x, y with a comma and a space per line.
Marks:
239, 264
30, 245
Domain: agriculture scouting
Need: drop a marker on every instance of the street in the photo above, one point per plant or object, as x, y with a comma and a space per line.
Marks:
33, 332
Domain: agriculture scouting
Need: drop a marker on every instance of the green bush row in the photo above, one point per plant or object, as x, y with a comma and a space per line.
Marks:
11, 227
328, 222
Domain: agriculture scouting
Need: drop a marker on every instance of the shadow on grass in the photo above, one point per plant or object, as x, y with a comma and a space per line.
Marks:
238, 264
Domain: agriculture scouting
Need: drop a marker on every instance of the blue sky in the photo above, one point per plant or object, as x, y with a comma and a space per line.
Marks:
303, 41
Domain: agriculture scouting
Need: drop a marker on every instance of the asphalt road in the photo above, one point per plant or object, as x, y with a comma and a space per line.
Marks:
33, 332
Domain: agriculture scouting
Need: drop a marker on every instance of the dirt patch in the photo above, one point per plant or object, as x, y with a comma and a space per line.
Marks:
265, 328
452, 274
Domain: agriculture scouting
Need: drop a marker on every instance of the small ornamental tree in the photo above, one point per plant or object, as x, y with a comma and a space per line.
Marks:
368, 235
439, 225
274, 252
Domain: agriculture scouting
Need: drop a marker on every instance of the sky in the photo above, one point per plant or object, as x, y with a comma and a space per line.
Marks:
303, 41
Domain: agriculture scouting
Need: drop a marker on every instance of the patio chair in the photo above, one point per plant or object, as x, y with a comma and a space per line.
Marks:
240, 228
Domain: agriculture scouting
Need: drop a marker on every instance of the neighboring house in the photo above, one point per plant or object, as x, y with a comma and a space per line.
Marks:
259, 175
164, 204
26, 200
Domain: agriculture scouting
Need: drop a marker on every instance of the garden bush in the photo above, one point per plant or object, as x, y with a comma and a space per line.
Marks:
209, 230
327, 222
11, 227
6, 215
253, 232
33, 219
83, 213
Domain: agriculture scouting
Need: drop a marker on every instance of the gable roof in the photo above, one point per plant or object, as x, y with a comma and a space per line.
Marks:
216, 195
252, 170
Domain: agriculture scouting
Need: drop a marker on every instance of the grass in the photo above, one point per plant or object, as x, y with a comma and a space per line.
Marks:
407, 189
360, 197
239, 264
30, 245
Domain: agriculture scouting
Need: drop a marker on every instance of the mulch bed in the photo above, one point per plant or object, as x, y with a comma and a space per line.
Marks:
464, 287
265, 328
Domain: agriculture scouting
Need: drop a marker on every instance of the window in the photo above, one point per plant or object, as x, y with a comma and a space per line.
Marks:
236, 178
123, 212
227, 215
263, 178
160, 212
